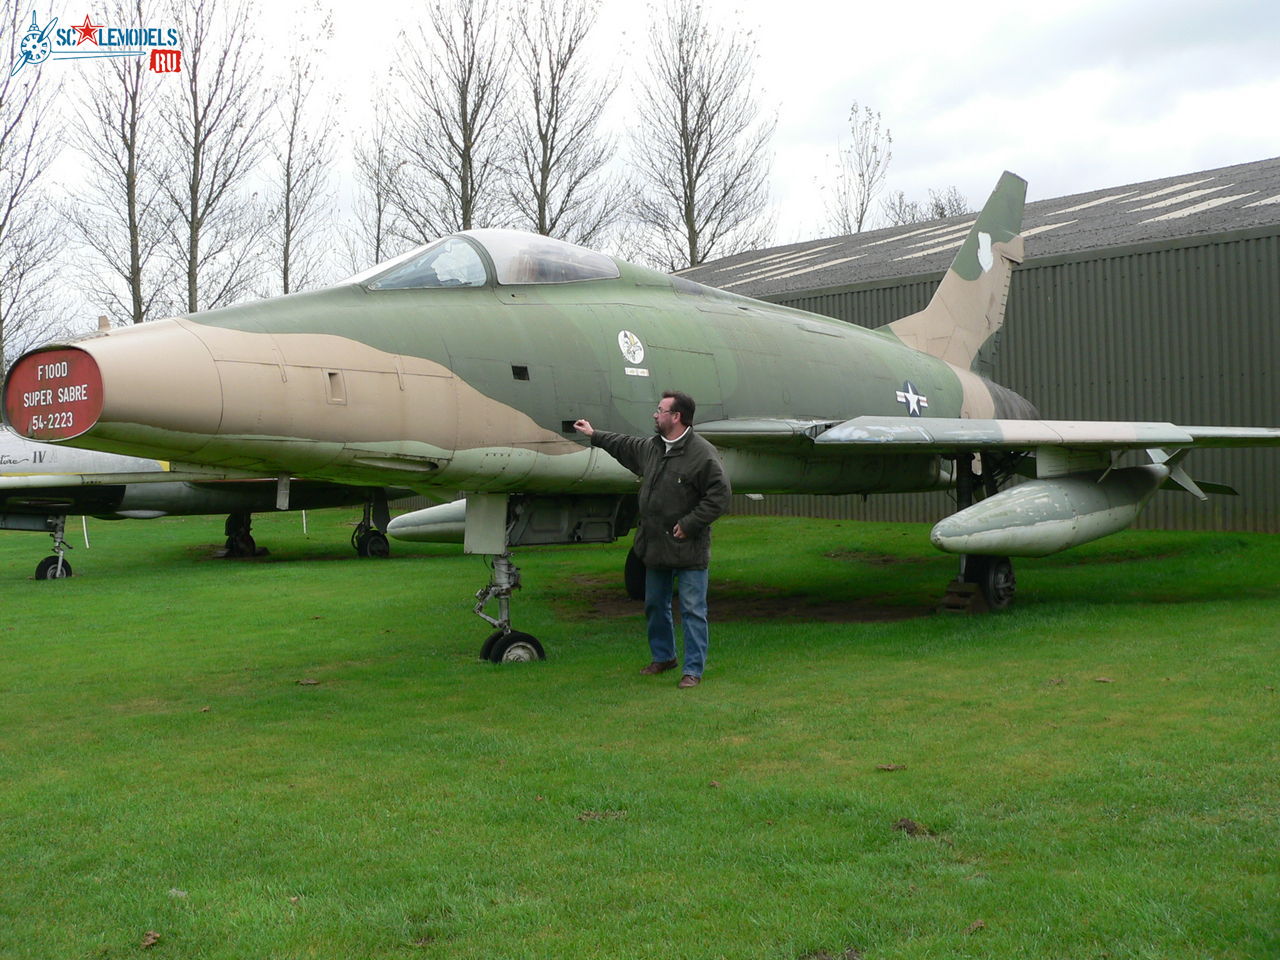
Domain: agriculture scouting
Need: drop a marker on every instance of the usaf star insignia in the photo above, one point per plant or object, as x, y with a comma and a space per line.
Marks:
913, 399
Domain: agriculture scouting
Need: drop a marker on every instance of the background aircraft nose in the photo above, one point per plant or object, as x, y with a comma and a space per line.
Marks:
126, 386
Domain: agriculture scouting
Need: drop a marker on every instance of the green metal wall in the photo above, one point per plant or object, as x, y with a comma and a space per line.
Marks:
1186, 331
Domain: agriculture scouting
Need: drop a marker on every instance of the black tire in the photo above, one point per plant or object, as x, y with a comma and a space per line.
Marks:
47, 569
241, 545
994, 577
633, 574
374, 544
515, 647
488, 644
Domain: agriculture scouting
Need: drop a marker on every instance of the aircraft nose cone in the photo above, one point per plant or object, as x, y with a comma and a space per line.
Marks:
53, 394
124, 388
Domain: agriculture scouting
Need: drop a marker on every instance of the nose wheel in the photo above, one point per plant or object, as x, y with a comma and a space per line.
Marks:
505, 645
53, 568
56, 567
512, 647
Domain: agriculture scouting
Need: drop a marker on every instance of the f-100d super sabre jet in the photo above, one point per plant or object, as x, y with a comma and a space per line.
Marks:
41, 485
463, 365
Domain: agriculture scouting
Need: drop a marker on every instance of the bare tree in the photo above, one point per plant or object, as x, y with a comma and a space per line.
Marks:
373, 237
700, 144
29, 241
119, 211
559, 185
302, 153
948, 203
860, 172
217, 120
446, 135
899, 211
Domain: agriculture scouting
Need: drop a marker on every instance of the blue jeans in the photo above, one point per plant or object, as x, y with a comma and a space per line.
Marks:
658, 583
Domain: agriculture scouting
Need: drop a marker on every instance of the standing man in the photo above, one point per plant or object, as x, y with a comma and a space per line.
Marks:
683, 489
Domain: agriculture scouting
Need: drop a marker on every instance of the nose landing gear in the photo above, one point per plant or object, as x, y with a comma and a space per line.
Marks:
56, 567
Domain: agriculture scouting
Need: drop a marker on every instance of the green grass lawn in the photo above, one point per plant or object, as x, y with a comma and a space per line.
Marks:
301, 755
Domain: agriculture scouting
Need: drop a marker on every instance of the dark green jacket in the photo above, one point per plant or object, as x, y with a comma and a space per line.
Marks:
685, 485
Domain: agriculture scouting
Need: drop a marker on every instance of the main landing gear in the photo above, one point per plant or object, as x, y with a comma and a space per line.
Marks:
368, 540
240, 542
990, 577
56, 567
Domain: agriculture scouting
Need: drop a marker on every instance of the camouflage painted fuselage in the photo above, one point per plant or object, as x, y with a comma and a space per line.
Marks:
463, 366
476, 389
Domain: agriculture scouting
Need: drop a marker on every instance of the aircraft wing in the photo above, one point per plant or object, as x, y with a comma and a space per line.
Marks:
950, 435
779, 435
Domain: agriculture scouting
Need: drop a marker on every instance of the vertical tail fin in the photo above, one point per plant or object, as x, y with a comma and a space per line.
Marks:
967, 309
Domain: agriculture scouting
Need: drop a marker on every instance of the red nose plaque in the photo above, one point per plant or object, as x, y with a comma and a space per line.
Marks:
53, 394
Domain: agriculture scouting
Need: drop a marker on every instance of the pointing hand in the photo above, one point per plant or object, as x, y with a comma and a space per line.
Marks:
584, 427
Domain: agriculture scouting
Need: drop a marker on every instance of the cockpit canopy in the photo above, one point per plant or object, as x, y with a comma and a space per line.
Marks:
517, 258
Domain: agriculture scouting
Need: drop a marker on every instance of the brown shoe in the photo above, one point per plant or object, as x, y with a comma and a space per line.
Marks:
688, 680
658, 666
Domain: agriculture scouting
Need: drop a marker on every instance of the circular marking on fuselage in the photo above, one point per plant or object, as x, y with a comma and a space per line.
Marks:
631, 347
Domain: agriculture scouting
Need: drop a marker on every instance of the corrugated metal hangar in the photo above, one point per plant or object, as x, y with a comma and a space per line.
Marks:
1154, 301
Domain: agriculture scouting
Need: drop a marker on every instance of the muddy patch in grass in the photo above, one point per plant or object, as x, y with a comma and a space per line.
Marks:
599, 596
876, 559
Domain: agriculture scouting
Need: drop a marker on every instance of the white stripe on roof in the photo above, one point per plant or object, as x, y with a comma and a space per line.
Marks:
786, 264
779, 256
1174, 189
1199, 207
955, 235
796, 273
1091, 203
1258, 203
1045, 227
1180, 198
902, 236
952, 246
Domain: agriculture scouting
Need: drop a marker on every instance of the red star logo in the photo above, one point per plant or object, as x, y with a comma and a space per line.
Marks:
88, 31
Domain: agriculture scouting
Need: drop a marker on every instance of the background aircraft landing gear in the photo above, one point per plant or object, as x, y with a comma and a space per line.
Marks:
56, 567
240, 542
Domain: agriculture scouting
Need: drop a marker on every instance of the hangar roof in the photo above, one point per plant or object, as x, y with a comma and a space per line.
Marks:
1213, 201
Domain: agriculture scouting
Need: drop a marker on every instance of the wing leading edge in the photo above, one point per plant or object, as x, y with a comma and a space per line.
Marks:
953, 435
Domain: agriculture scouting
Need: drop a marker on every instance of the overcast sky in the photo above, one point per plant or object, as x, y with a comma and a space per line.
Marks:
1073, 95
